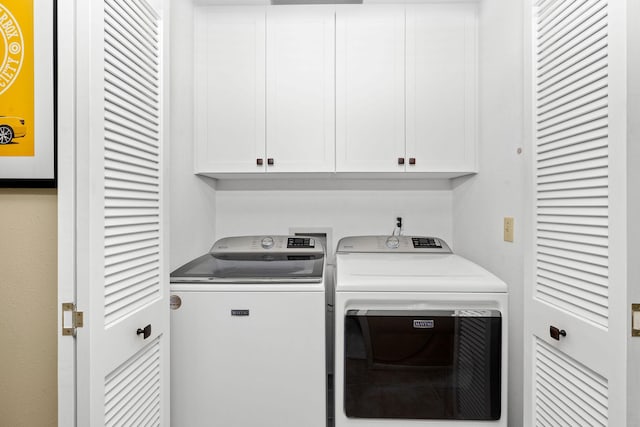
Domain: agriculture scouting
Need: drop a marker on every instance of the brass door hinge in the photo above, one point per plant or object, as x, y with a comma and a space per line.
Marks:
635, 320
71, 319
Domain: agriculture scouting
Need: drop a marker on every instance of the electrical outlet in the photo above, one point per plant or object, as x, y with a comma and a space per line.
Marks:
508, 229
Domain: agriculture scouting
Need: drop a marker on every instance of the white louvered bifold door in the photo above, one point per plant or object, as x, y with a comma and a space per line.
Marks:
568, 378
122, 280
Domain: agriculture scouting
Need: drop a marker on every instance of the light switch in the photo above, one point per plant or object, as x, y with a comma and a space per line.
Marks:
508, 229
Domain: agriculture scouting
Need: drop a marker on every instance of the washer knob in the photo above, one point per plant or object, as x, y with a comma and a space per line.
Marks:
393, 242
267, 242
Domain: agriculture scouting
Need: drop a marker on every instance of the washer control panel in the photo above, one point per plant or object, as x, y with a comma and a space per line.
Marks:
301, 242
390, 244
264, 244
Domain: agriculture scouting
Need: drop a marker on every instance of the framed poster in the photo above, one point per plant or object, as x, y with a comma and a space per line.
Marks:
27, 93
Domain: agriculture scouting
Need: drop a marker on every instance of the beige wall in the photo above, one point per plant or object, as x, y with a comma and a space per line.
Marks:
28, 307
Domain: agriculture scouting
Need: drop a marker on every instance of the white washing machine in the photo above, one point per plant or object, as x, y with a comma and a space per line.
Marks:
421, 336
248, 335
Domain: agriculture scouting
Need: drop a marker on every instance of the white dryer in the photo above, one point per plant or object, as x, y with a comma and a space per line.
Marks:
248, 335
421, 336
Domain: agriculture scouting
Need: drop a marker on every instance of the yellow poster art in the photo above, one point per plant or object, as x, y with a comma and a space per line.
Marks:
16, 78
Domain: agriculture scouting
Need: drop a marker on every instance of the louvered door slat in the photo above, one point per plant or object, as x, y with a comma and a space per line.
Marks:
593, 241
579, 395
132, 168
551, 13
580, 121
133, 149
589, 64
588, 183
553, 178
125, 55
142, 280
562, 149
130, 171
135, 221
590, 302
128, 92
580, 285
568, 106
144, 87
134, 73
586, 202
579, 95
574, 193
572, 55
572, 258
121, 27
585, 131
132, 393
126, 241
574, 112
139, 18
588, 79
573, 161
130, 54
129, 185
573, 246
120, 112
577, 21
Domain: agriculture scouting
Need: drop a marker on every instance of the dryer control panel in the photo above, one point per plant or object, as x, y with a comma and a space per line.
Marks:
390, 244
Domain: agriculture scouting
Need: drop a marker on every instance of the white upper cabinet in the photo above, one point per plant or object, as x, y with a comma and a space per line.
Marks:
300, 89
370, 88
441, 87
230, 89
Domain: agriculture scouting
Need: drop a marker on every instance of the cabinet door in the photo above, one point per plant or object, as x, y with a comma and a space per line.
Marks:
369, 88
230, 89
300, 89
441, 87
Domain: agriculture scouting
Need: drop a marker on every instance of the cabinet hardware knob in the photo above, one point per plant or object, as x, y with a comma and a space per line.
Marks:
145, 332
270, 161
401, 160
412, 160
259, 162
557, 333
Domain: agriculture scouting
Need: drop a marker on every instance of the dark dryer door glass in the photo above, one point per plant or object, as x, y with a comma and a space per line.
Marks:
442, 365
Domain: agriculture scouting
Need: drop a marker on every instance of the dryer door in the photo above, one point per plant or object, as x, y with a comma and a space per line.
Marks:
423, 364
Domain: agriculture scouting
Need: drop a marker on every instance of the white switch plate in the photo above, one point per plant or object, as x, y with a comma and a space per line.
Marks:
508, 229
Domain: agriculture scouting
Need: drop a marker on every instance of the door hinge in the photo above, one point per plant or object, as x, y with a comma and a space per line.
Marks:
635, 320
71, 319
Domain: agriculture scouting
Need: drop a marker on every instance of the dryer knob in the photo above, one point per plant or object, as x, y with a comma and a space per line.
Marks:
393, 242
267, 242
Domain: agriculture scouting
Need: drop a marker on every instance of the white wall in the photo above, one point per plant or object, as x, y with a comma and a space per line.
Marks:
347, 212
192, 221
29, 318
481, 202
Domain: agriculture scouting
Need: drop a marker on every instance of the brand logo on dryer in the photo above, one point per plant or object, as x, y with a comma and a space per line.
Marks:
423, 324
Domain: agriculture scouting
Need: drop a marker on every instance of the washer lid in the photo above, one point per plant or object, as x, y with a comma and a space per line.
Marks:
392, 244
257, 259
